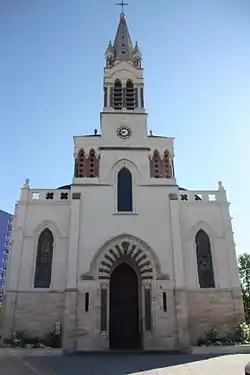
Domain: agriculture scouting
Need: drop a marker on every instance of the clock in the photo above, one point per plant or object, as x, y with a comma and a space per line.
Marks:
124, 132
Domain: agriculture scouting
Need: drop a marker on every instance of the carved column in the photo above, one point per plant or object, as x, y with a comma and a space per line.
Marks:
179, 279
69, 327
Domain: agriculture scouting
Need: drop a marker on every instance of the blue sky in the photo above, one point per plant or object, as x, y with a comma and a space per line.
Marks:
197, 87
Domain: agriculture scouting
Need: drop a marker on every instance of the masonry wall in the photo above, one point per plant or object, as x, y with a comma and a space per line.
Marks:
213, 309
33, 312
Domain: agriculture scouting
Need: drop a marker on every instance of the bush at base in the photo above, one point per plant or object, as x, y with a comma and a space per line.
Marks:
236, 336
21, 340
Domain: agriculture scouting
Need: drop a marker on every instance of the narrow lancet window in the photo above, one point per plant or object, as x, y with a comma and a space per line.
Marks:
124, 191
44, 260
204, 260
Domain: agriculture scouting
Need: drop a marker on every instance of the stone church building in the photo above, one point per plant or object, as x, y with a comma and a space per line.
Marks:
123, 258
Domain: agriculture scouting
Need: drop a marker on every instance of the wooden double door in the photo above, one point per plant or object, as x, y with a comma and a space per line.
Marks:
124, 326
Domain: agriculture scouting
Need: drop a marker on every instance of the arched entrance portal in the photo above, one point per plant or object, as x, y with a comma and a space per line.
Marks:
124, 330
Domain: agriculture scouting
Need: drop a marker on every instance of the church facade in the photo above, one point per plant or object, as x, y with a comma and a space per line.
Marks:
123, 258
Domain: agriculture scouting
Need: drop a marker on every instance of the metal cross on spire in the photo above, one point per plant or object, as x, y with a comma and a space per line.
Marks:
122, 4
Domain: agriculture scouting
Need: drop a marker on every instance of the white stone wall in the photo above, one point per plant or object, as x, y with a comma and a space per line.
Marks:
31, 218
213, 217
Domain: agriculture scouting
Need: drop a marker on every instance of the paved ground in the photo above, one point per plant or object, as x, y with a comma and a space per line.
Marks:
94, 364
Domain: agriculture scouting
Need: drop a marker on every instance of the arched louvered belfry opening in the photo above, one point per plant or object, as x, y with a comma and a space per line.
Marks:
130, 95
81, 164
124, 191
156, 167
93, 164
204, 260
44, 259
117, 98
167, 165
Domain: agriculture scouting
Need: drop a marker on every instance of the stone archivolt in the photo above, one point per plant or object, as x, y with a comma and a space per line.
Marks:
129, 252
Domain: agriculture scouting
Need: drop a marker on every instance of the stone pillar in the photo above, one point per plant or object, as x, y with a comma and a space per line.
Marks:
69, 326
14, 261
179, 277
231, 255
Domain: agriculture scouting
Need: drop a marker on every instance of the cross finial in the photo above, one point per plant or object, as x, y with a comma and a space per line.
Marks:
122, 4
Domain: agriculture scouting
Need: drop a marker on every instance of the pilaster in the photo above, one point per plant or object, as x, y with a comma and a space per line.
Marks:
69, 327
179, 278
228, 235
14, 261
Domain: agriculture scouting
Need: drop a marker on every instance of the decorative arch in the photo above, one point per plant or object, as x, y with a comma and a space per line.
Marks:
122, 70
47, 224
132, 167
204, 260
124, 190
212, 234
125, 248
44, 259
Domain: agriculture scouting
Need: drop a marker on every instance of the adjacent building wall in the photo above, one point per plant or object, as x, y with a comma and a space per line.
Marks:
5, 234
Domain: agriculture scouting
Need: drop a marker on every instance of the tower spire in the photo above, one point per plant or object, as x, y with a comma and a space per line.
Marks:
122, 49
123, 46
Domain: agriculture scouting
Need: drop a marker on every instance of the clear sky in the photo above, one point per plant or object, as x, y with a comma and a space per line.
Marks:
197, 87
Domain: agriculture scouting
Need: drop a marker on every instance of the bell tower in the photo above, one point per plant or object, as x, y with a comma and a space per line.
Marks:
123, 117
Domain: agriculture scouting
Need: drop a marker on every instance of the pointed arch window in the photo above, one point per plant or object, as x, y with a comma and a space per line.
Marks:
204, 260
117, 98
124, 191
44, 259
130, 95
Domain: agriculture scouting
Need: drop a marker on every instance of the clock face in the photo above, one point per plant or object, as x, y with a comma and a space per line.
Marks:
124, 132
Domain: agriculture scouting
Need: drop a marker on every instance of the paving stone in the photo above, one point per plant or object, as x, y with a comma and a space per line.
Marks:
104, 364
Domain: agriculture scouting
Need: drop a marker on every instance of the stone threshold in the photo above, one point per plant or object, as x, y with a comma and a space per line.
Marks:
220, 350
124, 352
30, 352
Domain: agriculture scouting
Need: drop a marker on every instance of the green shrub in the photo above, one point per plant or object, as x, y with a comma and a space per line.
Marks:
52, 339
226, 336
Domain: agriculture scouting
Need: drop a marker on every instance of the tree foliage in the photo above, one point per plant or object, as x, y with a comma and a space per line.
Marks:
244, 273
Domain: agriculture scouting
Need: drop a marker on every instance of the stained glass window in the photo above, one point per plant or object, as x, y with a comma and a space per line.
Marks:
124, 191
204, 260
44, 260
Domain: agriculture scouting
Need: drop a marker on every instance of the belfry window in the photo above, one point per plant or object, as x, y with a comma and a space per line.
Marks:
167, 165
204, 260
130, 95
87, 166
124, 191
44, 260
117, 95
156, 170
